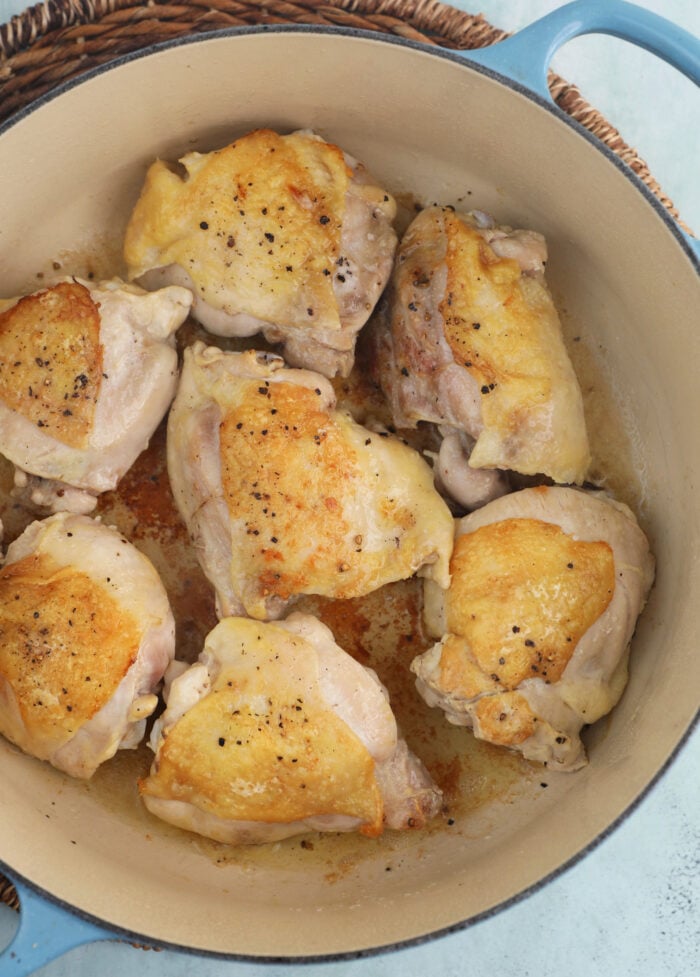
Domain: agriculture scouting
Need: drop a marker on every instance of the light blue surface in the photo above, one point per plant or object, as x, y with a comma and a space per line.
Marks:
631, 906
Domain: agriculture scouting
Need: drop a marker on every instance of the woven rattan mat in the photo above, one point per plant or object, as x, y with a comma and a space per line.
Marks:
61, 39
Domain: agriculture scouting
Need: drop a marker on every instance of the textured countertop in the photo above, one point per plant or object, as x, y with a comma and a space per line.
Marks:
631, 907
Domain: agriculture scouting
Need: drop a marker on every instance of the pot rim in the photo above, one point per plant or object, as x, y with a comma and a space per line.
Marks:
462, 59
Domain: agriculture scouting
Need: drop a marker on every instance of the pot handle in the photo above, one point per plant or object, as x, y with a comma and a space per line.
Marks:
46, 931
525, 57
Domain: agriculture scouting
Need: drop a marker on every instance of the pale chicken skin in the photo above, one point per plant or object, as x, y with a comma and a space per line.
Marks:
535, 629
86, 634
87, 372
470, 338
277, 731
283, 494
469, 487
281, 234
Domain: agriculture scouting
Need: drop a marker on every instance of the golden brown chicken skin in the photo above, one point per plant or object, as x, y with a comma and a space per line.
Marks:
471, 341
86, 633
547, 585
53, 384
87, 371
277, 731
283, 234
284, 494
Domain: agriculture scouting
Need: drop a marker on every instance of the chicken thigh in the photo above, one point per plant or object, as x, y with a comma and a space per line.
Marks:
86, 634
285, 495
470, 339
277, 731
547, 585
87, 372
284, 235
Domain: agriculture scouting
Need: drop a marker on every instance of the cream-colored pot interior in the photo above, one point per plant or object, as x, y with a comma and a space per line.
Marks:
628, 293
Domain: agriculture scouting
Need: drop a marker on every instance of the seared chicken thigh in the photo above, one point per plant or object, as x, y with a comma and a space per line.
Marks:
277, 731
284, 235
86, 374
86, 634
285, 495
471, 339
547, 585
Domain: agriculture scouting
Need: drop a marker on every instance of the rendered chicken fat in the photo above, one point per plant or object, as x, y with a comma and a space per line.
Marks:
277, 731
281, 234
86, 634
547, 585
87, 372
286, 495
